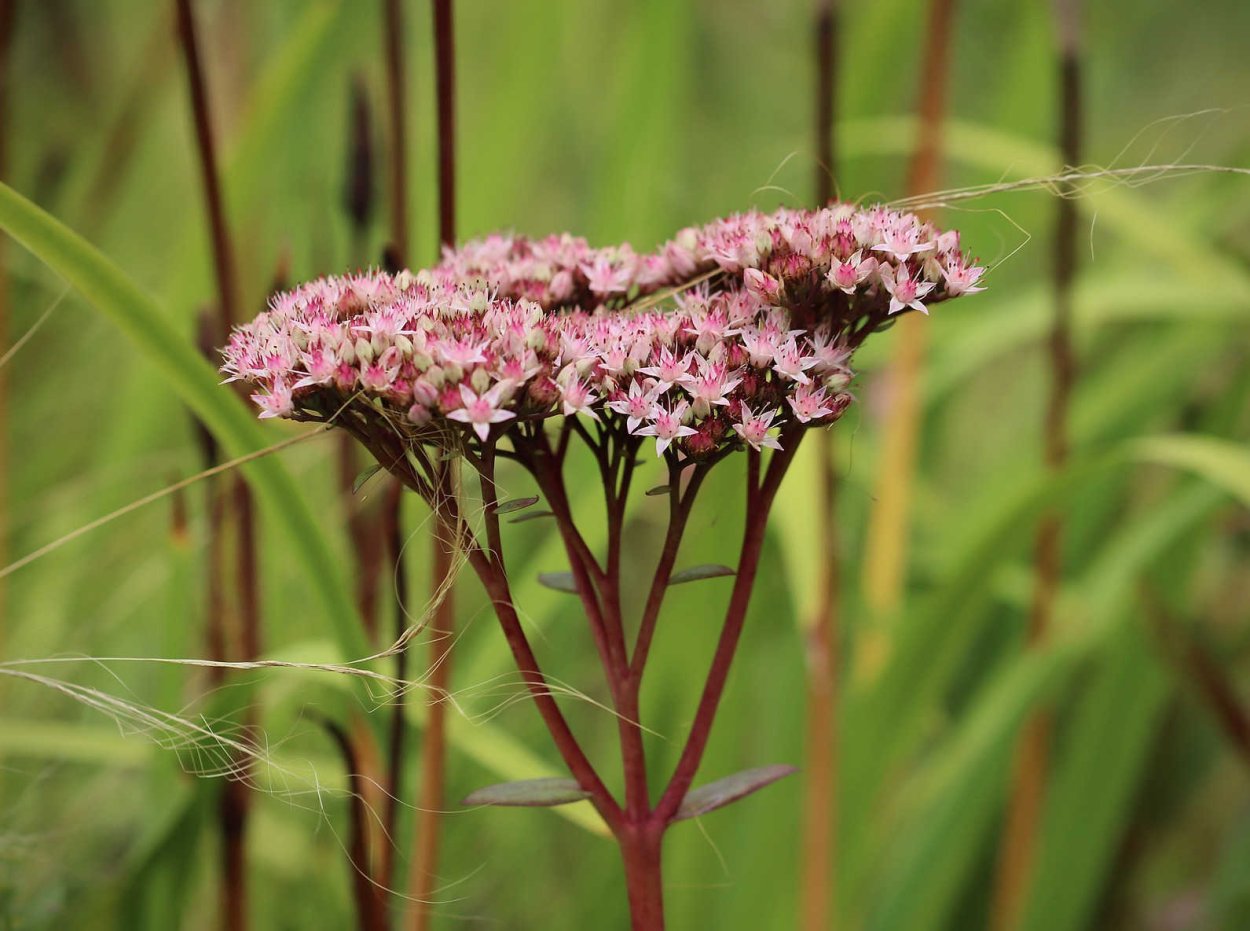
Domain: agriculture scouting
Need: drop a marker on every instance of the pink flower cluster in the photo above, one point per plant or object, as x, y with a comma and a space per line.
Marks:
765, 312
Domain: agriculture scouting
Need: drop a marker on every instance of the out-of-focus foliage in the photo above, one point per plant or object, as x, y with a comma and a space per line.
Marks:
627, 121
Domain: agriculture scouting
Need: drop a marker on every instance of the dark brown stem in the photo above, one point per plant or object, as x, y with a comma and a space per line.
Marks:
223, 255
248, 577
232, 812
1032, 761
370, 901
399, 725
1200, 671
680, 505
826, 94
362, 531
425, 864
396, 84
445, 77
823, 656
234, 807
434, 748
759, 503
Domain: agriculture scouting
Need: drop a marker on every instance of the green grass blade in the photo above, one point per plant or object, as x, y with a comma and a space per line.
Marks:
189, 376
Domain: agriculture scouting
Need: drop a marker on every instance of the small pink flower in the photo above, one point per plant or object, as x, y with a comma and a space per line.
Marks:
849, 275
277, 403
604, 276
637, 406
901, 239
904, 290
789, 362
321, 365
709, 387
666, 426
809, 404
961, 278
754, 428
761, 284
669, 370
481, 410
577, 399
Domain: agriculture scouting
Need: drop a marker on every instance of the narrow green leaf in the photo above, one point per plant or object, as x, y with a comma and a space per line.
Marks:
529, 793
532, 515
364, 476
516, 504
558, 581
657, 491
1223, 463
722, 792
695, 573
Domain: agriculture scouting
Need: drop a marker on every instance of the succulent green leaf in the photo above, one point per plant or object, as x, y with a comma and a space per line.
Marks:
722, 792
695, 573
529, 793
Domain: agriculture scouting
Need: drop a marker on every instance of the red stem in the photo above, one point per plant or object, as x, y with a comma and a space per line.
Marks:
679, 511
644, 878
489, 568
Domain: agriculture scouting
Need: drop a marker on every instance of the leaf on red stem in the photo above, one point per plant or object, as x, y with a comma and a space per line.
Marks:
720, 793
529, 793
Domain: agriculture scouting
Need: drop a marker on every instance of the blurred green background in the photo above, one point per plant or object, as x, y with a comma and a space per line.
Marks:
627, 121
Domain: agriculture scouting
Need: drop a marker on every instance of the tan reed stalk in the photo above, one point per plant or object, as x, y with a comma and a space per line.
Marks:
889, 526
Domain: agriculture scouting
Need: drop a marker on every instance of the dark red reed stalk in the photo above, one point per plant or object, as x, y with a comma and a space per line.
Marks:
233, 810
8, 17
424, 873
370, 898
817, 886
1032, 760
1201, 671
397, 111
362, 522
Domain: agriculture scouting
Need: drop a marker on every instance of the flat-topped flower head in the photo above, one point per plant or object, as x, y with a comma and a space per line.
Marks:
765, 314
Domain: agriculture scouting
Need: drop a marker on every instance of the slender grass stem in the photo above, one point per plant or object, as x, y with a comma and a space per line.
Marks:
1032, 760
8, 18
